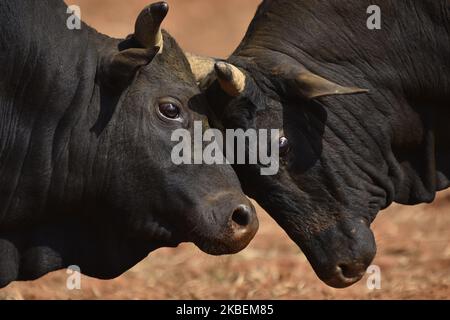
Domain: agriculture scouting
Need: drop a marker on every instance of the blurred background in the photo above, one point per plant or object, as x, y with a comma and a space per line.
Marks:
413, 242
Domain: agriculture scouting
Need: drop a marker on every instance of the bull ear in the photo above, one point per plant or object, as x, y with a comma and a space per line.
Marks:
138, 49
122, 66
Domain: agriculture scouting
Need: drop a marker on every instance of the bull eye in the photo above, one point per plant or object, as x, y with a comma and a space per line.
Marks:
169, 110
284, 146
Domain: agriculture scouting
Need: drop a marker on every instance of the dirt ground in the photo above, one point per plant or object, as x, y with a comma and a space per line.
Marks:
413, 242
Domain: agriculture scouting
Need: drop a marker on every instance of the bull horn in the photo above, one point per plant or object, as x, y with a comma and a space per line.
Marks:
231, 79
306, 84
312, 86
147, 30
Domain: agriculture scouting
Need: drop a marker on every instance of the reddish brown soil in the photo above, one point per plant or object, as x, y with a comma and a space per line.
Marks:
413, 242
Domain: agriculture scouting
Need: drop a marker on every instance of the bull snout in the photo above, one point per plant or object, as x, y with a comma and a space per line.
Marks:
230, 225
341, 255
347, 273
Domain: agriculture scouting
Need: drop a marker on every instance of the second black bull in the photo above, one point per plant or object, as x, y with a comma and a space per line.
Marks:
363, 115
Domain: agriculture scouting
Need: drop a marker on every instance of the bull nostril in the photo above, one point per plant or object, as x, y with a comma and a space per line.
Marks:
242, 216
345, 270
349, 271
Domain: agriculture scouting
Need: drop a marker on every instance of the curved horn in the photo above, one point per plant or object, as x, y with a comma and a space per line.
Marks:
313, 86
147, 30
306, 83
231, 79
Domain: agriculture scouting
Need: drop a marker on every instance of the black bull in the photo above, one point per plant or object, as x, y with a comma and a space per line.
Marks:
86, 176
364, 117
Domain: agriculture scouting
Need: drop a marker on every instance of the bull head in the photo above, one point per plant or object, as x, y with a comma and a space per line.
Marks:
139, 49
292, 74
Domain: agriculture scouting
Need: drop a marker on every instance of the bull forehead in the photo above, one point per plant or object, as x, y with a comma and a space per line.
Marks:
270, 118
164, 82
256, 107
159, 80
